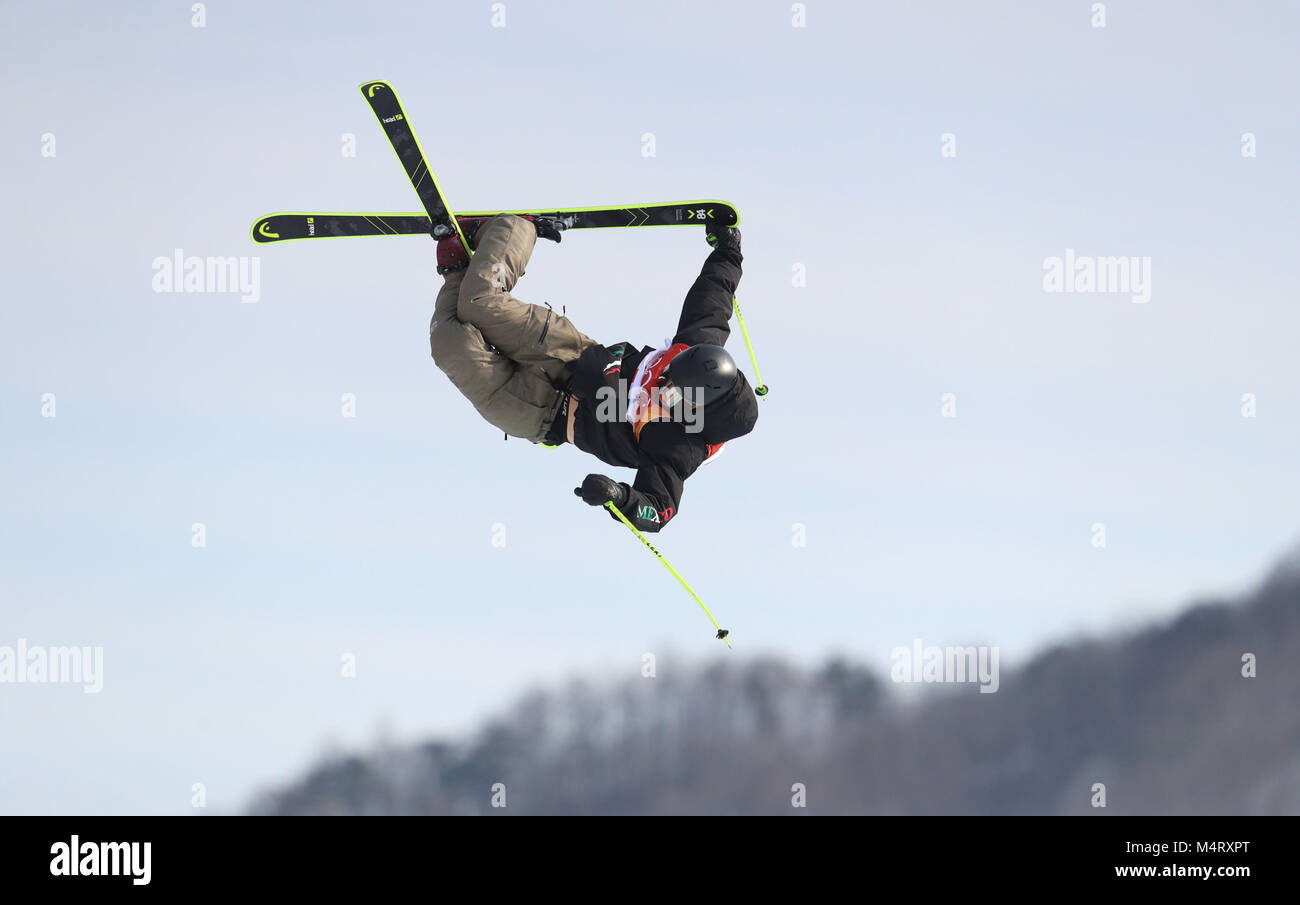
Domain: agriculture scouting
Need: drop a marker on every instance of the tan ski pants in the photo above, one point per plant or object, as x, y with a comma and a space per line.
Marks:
510, 359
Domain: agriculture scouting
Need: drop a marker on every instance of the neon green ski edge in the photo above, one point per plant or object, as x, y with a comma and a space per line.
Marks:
368, 89
252, 232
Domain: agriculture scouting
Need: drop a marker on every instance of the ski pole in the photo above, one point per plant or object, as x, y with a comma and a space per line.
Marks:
762, 387
722, 632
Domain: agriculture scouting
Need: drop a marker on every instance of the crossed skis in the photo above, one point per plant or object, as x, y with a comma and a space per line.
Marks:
383, 100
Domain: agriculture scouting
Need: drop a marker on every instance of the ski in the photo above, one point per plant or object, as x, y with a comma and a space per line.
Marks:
387, 108
286, 227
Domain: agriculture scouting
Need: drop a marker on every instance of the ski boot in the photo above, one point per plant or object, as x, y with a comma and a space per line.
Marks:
452, 254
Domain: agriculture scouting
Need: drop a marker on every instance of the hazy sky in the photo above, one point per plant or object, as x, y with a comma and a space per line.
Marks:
372, 535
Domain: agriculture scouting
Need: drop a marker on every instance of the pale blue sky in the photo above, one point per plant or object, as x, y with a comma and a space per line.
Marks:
373, 535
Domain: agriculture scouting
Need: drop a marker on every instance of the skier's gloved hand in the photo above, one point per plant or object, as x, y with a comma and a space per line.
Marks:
722, 236
596, 490
547, 228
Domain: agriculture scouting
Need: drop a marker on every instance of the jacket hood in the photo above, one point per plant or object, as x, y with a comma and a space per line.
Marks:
732, 416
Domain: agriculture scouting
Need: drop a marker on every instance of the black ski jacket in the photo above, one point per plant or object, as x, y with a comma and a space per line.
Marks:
667, 453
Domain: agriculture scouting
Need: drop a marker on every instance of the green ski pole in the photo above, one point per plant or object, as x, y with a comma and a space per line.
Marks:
722, 632
761, 390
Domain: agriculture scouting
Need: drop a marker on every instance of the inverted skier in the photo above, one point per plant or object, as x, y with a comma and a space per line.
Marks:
532, 374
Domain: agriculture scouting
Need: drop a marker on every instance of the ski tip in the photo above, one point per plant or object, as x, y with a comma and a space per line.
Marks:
369, 88
261, 231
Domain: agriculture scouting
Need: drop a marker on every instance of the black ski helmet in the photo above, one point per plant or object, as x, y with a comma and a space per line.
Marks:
707, 370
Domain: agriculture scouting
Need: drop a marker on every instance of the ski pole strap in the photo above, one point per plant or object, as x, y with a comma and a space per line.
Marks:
761, 390
722, 632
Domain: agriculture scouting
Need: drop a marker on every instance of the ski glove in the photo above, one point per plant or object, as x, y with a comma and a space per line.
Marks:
722, 236
596, 490
547, 227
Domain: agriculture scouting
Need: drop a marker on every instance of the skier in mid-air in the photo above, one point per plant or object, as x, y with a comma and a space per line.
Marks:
532, 374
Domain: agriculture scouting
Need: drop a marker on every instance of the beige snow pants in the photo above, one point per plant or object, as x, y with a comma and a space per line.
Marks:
510, 359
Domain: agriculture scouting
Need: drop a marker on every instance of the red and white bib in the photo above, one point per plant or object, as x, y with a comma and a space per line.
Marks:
644, 404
